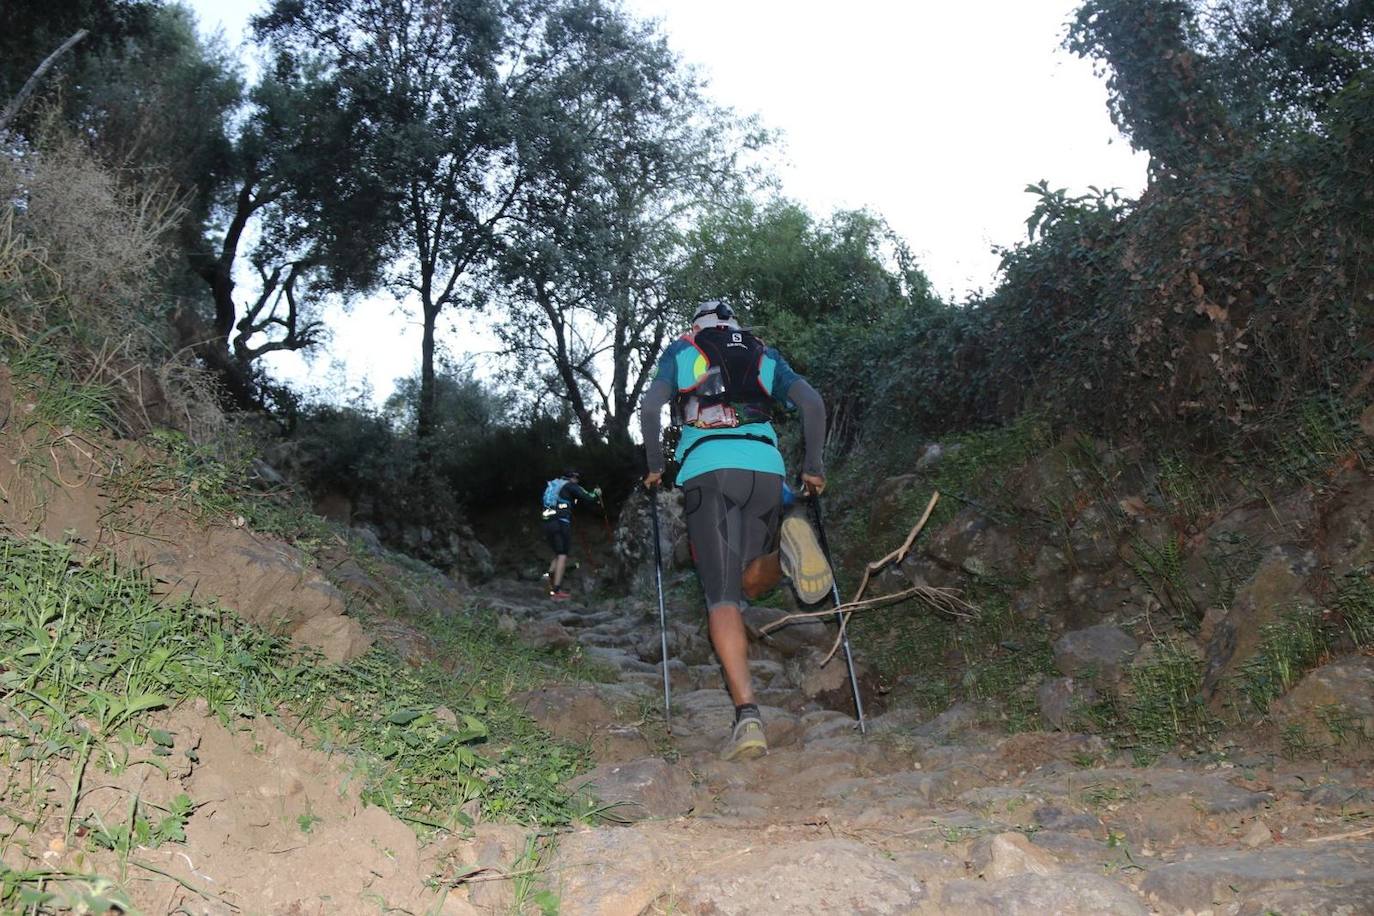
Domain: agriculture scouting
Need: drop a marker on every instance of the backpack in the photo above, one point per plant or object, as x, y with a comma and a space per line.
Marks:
552, 491
727, 389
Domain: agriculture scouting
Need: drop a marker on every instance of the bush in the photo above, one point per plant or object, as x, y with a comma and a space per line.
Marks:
82, 253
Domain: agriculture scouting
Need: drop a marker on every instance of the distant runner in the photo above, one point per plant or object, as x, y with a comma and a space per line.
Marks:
560, 494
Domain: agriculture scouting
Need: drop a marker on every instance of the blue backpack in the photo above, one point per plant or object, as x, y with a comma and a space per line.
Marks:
551, 492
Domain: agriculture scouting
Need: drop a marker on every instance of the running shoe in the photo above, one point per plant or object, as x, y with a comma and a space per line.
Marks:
747, 740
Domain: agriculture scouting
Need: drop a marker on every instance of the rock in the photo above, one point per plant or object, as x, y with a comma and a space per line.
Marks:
1008, 854
791, 639
1093, 538
971, 542
497, 847
1067, 894
1096, 652
818, 877
931, 455
1309, 900
1208, 878
546, 635
569, 711
955, 719
1060, 698
1064, 820
1339, 694
368, 538
632, 546
339, 638
606, 872
650, 787
1349, 527
1277, 587
1258, 835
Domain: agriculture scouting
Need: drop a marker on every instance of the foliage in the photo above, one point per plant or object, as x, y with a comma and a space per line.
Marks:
624, 153
829, 294
1165, 706
82, 254
1288, 649
87, 651
31, 31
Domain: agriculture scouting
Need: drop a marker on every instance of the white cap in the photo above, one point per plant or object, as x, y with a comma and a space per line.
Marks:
709, 315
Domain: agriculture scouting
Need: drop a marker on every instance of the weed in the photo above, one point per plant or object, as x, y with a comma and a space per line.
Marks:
55, 398
1340, 722
1159, 567
1102, 795
1296, 742
1354, 602
1165, 706
1288, 649
1313, 436
525, 873
1187, 490
86, 651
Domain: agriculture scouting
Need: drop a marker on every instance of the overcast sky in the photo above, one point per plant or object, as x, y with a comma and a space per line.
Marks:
935, 115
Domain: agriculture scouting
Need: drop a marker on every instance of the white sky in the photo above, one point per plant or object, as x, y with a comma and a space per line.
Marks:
933, 114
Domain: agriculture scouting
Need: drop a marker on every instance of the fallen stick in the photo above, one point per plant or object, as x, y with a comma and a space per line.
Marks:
900, 553
946, 600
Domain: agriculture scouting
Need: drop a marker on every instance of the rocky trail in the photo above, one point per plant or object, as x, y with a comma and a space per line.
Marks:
934, 816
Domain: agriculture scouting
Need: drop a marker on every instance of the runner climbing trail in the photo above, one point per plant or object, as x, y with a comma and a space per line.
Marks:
935, 814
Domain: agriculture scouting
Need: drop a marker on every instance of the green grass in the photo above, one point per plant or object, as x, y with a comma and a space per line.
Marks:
975, 468
1289, 648
47, 392
1165, 708
86, 653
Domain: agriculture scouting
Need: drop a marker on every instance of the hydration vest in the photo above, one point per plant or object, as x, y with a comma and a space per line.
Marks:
553, 500
724, 387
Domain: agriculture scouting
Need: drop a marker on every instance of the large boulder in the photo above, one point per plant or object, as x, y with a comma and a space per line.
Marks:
1277, 587
632, 547
1336, 701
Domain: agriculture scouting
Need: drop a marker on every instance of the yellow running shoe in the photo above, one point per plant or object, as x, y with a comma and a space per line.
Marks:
803, 561
747, 741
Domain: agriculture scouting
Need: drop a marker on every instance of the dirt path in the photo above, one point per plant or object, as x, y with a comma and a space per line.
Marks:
935, 816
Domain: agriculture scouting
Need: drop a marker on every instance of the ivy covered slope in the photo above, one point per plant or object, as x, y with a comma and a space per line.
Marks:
125, 699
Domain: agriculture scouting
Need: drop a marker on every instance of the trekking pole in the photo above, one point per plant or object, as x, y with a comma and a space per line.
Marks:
662, 610
839, 617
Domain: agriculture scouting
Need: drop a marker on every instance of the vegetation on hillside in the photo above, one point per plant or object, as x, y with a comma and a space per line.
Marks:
549, 169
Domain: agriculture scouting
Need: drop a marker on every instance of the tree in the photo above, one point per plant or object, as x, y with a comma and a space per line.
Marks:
293, 202
835, 295
436, 83
1193, 82
32, 29
620, 152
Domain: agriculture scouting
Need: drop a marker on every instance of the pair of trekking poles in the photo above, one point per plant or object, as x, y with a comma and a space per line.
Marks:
834, 597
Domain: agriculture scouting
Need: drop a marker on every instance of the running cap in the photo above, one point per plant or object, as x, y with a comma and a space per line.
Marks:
714, 313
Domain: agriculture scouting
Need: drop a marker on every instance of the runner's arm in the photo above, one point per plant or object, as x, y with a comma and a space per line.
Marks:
651, 421
812, 408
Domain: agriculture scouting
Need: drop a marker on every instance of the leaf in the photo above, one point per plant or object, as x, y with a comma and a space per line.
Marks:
404, 716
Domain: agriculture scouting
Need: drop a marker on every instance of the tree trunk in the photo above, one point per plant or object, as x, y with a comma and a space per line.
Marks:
424, 413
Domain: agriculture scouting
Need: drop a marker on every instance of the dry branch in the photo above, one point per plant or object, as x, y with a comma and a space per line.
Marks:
36, 77
945, 600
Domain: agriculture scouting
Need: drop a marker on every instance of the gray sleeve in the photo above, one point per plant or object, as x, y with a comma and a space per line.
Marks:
812, 408
651, 421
